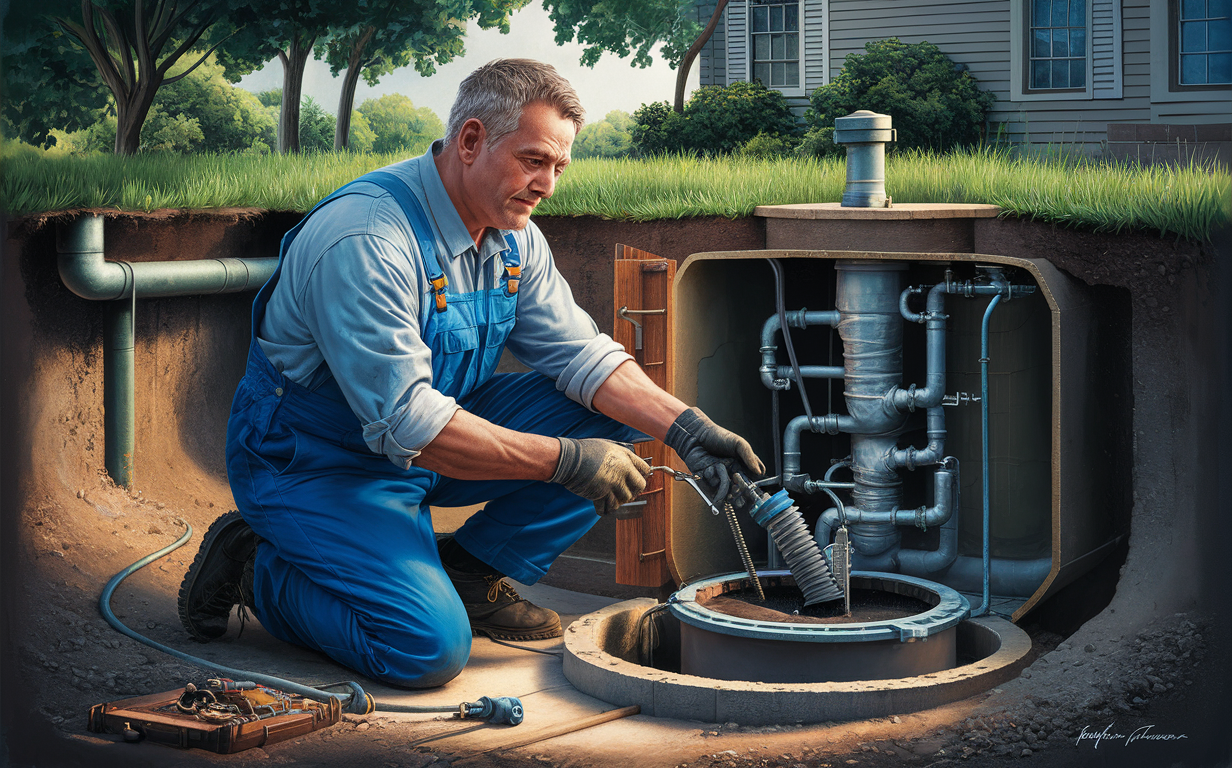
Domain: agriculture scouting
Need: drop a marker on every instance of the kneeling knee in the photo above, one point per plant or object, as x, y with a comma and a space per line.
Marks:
426, 662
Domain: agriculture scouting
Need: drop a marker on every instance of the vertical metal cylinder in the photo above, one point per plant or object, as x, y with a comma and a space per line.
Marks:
871, 329
119, 392
865, 134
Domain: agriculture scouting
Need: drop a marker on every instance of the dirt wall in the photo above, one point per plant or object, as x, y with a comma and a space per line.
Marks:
67, 528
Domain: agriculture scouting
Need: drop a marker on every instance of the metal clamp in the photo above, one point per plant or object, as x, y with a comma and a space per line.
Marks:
624, 313
692, 481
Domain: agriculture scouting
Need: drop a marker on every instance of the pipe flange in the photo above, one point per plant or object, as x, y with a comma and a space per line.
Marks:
949, 609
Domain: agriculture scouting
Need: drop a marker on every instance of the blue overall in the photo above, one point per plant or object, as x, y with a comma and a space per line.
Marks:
348, 563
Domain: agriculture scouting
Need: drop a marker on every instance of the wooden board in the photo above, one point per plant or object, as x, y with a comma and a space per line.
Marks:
644, 282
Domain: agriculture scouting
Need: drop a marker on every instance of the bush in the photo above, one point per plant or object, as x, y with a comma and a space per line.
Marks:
229, 119
399, 125
768, 145
935, 103
717, 120
610, 137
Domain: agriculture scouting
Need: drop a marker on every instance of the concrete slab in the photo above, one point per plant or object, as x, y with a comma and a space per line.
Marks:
897, 212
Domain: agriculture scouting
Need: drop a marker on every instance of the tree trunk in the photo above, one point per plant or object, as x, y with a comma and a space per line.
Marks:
294, 59
346, 102
130, 117
682, 72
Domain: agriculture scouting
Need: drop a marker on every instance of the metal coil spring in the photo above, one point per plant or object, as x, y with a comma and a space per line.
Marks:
803, 557
743, 549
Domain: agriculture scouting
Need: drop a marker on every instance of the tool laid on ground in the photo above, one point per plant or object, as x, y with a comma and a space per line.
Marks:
228, 716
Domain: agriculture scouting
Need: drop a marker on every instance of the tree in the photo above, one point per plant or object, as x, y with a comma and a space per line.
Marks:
133, 45
50, 83
316, 126
610, 137
398, 125
384, 35
935, 104
288, 31
635, 27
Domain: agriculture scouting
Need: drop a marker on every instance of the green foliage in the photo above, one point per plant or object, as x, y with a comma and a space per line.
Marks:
935, 104
48, 83
610, 137
398, 124
716, 120
316, 127
362, 137
654, 129
629, 27
767, 146
270, 98
230, 119
164, 133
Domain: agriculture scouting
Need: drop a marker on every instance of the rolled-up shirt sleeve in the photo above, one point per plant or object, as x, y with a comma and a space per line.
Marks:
553, 335
361, 304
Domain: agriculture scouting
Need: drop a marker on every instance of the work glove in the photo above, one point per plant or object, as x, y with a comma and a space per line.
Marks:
712, 452
603, 471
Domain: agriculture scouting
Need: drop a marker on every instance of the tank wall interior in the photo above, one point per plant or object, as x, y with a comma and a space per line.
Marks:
722, 304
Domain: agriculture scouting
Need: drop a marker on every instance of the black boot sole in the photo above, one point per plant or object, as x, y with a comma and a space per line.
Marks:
549, 632
194, 571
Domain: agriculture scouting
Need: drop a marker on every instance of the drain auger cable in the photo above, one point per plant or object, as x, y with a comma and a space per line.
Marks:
501, 710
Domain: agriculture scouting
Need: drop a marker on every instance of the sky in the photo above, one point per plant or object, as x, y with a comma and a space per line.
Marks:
611, 84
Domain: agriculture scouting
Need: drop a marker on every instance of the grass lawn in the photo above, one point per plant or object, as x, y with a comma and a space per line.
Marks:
1187, 201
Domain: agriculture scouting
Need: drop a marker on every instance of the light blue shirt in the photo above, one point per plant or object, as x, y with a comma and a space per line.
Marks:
353, 294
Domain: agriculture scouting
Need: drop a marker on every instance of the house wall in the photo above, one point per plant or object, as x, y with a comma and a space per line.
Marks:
1128, 62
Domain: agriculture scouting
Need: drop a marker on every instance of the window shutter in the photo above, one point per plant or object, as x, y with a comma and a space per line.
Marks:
644, 282
1106, 57
816, 51
737, 41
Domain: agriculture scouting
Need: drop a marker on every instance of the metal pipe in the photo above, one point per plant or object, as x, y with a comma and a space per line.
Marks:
923, 561
808, 372
86, 272
779, 377
983, 609
1012, 578
119, 392
865, 133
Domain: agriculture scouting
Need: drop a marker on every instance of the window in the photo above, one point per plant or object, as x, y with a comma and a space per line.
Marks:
1205, 35
775, 39
1058, 45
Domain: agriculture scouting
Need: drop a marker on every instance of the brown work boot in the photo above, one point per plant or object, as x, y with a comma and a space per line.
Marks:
219, 578
494, 607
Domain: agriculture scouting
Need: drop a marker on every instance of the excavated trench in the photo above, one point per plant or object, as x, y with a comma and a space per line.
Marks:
66, 528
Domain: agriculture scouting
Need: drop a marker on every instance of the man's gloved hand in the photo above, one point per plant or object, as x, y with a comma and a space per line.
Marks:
711, 451
603, 471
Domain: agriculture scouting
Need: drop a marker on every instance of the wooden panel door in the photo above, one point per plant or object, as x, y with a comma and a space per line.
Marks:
643, 296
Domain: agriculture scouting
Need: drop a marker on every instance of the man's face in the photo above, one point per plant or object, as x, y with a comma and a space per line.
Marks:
507, 181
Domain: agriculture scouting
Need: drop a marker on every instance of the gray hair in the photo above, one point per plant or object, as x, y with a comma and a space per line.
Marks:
496, 93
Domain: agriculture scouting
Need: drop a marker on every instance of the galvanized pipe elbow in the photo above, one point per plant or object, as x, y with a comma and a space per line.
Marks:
830, 424
86, 272
775, 376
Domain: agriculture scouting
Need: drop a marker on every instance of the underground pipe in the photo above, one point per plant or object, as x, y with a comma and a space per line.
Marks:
84, 269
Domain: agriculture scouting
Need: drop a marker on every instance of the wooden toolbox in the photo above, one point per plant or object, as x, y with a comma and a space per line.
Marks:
156, 718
